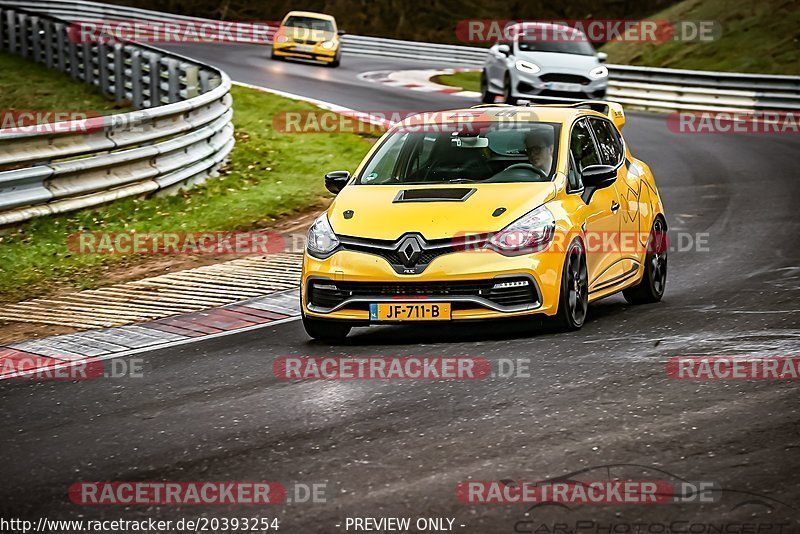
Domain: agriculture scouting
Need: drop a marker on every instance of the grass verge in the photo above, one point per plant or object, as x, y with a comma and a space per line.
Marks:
758, 37
270, 175
468, 81
29, 86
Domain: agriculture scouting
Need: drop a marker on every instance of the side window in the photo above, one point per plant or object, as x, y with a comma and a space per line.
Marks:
609, 143
582, 146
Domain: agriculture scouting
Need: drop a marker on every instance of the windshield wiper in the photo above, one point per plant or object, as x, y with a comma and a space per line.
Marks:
460, 180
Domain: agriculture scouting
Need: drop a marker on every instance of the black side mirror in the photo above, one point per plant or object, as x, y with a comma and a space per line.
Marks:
341, 32
599, 176
336, 180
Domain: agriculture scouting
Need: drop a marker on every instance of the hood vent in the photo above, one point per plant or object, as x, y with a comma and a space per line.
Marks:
448, 194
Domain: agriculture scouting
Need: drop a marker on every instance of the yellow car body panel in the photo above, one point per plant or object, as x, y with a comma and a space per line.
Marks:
368, 212
306, 43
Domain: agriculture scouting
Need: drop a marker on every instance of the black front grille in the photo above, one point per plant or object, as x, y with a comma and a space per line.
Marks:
328, 294
389, 251
565, 78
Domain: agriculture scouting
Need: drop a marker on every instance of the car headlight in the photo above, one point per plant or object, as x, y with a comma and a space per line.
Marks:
321, 239
598, 72
328, 45
531, 232
527, 66
282, 39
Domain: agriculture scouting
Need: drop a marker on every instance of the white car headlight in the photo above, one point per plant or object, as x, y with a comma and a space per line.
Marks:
531, 232
328, 45
321, 239
527, 66
598, 72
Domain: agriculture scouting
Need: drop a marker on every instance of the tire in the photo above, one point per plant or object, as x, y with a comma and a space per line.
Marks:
335, 63
326, 330
487, 97
508, 98
273, 57
573, 298
654, 280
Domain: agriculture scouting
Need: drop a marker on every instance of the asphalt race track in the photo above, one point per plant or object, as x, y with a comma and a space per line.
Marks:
213, 410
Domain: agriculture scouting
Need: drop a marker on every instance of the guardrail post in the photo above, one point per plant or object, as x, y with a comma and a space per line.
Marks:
3, 31
155, 80
191, 81
119, 74
137, 80
205, 81
36, 40
173, 80
23, 35
60, 45
103, 69
87, 63
48, 44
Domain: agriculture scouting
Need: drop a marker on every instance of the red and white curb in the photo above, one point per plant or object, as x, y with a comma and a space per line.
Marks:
37, 357
418, 80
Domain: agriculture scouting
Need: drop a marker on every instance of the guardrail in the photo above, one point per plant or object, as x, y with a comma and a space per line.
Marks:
179, 135
184, 132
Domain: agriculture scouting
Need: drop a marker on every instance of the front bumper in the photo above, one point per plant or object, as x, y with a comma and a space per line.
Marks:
351, 281
557, 85
316, 52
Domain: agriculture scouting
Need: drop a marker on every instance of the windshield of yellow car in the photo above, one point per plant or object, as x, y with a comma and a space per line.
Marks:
309, 23
494, 152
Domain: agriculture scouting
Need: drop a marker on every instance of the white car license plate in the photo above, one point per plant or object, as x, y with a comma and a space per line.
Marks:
566, 87
304, 48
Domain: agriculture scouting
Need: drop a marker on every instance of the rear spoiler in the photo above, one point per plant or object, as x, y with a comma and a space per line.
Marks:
612, 110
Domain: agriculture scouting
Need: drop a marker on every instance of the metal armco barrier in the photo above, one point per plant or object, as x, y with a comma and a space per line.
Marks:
183, 132
644, 87
179, 135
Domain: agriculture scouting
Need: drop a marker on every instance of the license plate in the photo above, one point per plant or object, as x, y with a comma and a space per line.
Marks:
566, 87
304, 48
410, 311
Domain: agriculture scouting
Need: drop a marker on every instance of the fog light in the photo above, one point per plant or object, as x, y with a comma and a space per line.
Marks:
504, 285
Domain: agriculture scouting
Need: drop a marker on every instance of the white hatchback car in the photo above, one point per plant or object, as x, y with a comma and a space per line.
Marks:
544, 62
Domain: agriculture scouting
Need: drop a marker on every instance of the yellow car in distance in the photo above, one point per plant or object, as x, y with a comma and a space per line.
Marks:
308, 35
489, 212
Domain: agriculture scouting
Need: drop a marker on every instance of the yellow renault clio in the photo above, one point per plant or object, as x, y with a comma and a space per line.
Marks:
488, 212
308, 35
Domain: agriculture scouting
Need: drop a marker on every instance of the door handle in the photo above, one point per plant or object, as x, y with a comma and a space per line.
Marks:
614, 206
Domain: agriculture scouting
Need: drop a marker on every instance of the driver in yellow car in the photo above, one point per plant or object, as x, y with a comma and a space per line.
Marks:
539, 148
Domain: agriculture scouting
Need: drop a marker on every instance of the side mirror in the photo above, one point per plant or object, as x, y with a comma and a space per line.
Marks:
602, 57
504, 49
336, 180
340, 32
599, 176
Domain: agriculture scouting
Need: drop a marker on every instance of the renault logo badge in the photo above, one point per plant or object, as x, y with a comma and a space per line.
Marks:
410, 251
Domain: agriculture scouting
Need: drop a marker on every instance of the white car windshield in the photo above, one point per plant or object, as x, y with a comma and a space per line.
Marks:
581, 48
496, 152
